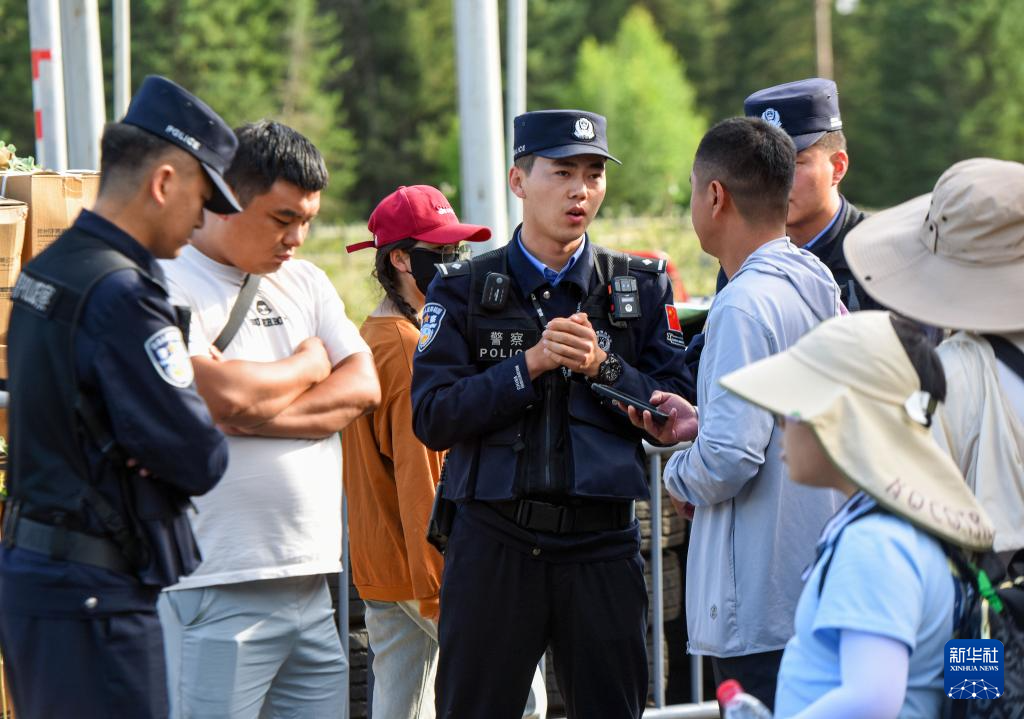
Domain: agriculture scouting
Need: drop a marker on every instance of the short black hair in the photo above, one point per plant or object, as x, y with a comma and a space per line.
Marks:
831, 142
269, 151
525, 162
921, 350
127, 152
754, 161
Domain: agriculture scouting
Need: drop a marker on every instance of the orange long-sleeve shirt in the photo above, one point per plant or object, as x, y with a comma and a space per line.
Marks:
390, 480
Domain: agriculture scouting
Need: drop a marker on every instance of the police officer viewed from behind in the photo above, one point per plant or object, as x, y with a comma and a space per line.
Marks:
544, 549
108, 435
819, 217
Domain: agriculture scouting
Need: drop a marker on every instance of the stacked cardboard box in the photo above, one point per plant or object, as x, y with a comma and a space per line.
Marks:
13, 215
54, 200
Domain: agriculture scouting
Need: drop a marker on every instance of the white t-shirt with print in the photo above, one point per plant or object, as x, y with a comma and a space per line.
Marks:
277, 510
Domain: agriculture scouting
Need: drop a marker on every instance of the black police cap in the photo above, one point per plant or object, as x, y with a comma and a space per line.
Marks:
172, 113
805, 109
561, 133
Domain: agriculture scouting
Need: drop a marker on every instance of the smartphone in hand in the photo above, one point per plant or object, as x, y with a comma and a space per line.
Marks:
607, 392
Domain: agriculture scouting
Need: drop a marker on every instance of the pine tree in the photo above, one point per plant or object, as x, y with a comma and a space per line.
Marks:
255, 59
401, 95
925, 83
17, 123
637, 81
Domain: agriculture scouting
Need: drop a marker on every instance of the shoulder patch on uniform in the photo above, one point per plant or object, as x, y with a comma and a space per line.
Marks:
648, 264
676, 339
167, 352
433, 313
453, 269
35, 294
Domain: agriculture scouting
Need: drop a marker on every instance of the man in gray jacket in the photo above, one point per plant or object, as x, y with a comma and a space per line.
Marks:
753, 530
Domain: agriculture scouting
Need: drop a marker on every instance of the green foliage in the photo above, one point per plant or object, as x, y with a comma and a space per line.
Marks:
314, 58
401, 95
373, 83
16, 119
9, 159
926, 83
637, 82
555, 30
757, 44
253, 59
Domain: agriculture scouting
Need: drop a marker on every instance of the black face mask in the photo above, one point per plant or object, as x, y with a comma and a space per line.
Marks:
422, 261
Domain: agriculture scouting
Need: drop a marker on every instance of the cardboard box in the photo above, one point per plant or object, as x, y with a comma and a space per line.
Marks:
54, 200
12, 236
90, 188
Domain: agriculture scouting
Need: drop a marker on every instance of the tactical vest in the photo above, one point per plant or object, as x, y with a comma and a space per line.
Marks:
567, 443
52, 420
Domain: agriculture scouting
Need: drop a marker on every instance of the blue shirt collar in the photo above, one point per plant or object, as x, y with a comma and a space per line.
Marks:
121, 241
829, 226
549, 275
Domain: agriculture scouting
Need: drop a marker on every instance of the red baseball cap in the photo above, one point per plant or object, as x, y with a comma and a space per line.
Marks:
419, 212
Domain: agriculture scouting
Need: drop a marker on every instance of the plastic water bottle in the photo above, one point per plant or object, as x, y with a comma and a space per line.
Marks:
737, 704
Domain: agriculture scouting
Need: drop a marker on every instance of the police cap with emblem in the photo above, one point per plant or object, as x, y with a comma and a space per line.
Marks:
172, 113
561, 133
805, 109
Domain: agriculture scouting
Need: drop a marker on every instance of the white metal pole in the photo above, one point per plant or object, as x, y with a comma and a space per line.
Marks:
47, 84
83, 86
515, 90
823, 36
122, 58
481, 144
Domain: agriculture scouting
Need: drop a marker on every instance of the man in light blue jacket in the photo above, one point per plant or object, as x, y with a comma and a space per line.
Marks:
753, 531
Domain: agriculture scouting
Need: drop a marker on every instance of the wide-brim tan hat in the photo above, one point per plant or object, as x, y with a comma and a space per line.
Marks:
953, 258
851, 380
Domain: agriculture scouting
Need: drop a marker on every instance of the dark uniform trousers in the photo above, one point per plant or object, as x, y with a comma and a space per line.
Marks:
585, 597
59, 658
513, 586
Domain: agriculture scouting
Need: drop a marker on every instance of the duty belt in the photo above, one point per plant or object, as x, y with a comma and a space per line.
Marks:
540, 516
62, 543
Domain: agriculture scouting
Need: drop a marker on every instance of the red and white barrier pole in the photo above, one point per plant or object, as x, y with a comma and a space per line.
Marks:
48, 84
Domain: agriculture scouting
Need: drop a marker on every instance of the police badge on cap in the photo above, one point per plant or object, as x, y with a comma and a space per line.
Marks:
584, 129
561, 133
805, 109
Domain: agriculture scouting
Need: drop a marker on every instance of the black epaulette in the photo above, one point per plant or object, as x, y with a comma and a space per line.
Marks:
453, 269
647, 264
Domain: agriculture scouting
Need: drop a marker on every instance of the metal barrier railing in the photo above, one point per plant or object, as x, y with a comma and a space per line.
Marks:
697, 708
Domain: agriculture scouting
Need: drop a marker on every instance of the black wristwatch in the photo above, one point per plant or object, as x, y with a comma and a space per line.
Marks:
609, 371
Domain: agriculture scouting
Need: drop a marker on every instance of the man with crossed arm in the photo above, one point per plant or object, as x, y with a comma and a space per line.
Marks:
251, 632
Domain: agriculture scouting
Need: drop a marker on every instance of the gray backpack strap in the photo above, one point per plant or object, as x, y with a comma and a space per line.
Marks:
250, 284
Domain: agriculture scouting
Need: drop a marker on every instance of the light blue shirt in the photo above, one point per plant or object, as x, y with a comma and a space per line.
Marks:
835, 217
887, 578
753, 530
552, 277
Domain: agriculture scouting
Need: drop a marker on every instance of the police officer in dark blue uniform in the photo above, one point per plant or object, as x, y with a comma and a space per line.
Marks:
544, 548
108, 435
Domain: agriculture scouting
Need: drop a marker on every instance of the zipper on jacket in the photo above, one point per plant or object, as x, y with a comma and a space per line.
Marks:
548, 408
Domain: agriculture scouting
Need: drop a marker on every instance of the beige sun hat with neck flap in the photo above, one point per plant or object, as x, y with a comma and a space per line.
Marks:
953, 258
851, 380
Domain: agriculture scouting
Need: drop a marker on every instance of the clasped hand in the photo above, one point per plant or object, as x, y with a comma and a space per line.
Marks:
569, 342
